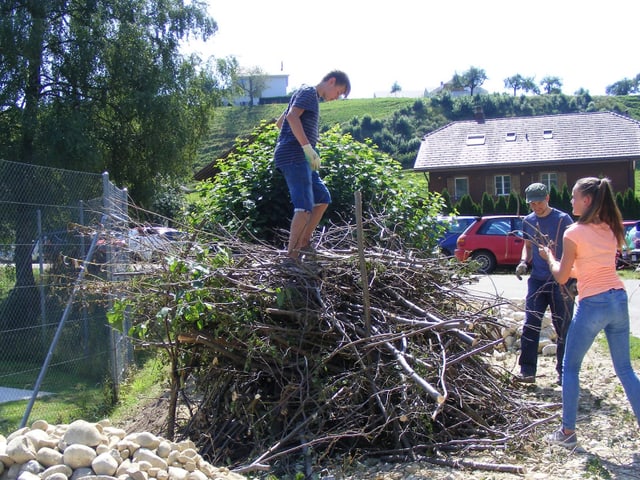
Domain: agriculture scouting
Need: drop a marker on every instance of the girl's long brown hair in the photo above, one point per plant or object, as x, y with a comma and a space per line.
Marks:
603, 208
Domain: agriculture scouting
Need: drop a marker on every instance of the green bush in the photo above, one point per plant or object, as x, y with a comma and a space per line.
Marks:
249, 197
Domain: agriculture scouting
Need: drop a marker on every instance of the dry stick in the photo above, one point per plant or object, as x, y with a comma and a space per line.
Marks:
456, 463
426, 386
465, 337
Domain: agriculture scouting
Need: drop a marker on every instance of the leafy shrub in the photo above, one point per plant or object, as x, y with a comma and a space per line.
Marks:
250, 197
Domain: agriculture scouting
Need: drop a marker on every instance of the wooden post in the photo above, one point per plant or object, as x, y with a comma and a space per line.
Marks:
363, 265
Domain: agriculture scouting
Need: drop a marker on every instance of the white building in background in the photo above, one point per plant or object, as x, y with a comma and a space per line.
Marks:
276, 86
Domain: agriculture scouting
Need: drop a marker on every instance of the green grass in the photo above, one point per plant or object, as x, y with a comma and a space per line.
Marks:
72, 399
634, 345
376, 108
144, 384
7, 280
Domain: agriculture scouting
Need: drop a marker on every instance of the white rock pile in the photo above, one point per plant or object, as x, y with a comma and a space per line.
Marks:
512, 319
100, 451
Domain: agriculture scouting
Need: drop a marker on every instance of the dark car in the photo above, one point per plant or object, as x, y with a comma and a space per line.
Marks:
453, 228
492, 241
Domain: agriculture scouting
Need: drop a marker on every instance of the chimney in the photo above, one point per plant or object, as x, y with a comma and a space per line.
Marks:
478, 113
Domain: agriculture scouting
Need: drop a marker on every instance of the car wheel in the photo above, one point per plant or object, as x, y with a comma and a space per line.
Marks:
485, 260
446, 253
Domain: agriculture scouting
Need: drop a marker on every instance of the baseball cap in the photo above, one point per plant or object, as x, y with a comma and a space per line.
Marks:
536, 192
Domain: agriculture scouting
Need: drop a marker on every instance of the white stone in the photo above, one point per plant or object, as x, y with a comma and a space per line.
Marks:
41, 439
60, 469
123, 467
17, 433
196, 475
81, 472
543, 343
550, 350
172, 458
104, 464
21, 449
78, 456
57, 476
146, 455
136, 474
49, 457
127, 445
117, 432
32, 466
162, 475
164, 449
177, 473
83, 433
28, 476
190, 452
40, 425
144, 439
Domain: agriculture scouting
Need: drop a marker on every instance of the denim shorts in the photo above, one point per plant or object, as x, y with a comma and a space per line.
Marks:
306, 188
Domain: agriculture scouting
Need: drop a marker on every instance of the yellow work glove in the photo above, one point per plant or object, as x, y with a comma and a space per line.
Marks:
312, 157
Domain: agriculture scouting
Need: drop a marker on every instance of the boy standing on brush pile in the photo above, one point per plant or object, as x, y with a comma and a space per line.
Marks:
297, 159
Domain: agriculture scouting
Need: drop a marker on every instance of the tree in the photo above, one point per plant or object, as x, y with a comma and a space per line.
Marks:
252, 82
518, 82
551, 84
625, 86
97, 86
395, 88
471, 79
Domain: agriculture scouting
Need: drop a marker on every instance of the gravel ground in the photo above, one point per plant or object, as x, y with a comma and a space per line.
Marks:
608, 436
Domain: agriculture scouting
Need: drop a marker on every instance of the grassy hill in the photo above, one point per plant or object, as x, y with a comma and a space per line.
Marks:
230, 123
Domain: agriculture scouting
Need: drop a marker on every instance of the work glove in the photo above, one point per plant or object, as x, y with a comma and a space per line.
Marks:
521, 269
312, 157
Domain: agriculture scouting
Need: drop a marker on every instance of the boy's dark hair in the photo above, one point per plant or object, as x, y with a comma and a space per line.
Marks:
341, 79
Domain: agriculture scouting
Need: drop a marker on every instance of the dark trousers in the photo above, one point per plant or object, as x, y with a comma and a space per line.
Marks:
540, 295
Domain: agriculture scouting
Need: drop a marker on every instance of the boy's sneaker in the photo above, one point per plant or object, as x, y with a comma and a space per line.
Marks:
560, 438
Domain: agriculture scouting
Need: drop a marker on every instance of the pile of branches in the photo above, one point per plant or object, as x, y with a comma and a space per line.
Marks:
359, 351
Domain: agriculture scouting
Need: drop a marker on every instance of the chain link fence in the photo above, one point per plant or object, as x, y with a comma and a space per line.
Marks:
59, 359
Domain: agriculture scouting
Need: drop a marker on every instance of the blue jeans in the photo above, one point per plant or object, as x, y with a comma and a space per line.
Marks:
609, 311
540, 295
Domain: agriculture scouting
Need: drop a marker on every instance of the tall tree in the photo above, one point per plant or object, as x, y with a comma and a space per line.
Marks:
471, 79
395, 88
551, 84
252, 82
625, 86
518, 82
101, 85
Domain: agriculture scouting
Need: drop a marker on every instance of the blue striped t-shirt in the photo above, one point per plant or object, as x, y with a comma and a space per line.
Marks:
288, 149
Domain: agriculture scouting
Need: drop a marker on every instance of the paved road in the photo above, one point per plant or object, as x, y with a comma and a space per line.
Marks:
509, 287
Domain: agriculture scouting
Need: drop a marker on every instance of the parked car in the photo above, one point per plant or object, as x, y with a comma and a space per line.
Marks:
148, 243
491, 241
453, 227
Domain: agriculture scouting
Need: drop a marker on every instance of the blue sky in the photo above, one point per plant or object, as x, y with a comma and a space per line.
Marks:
419, 44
